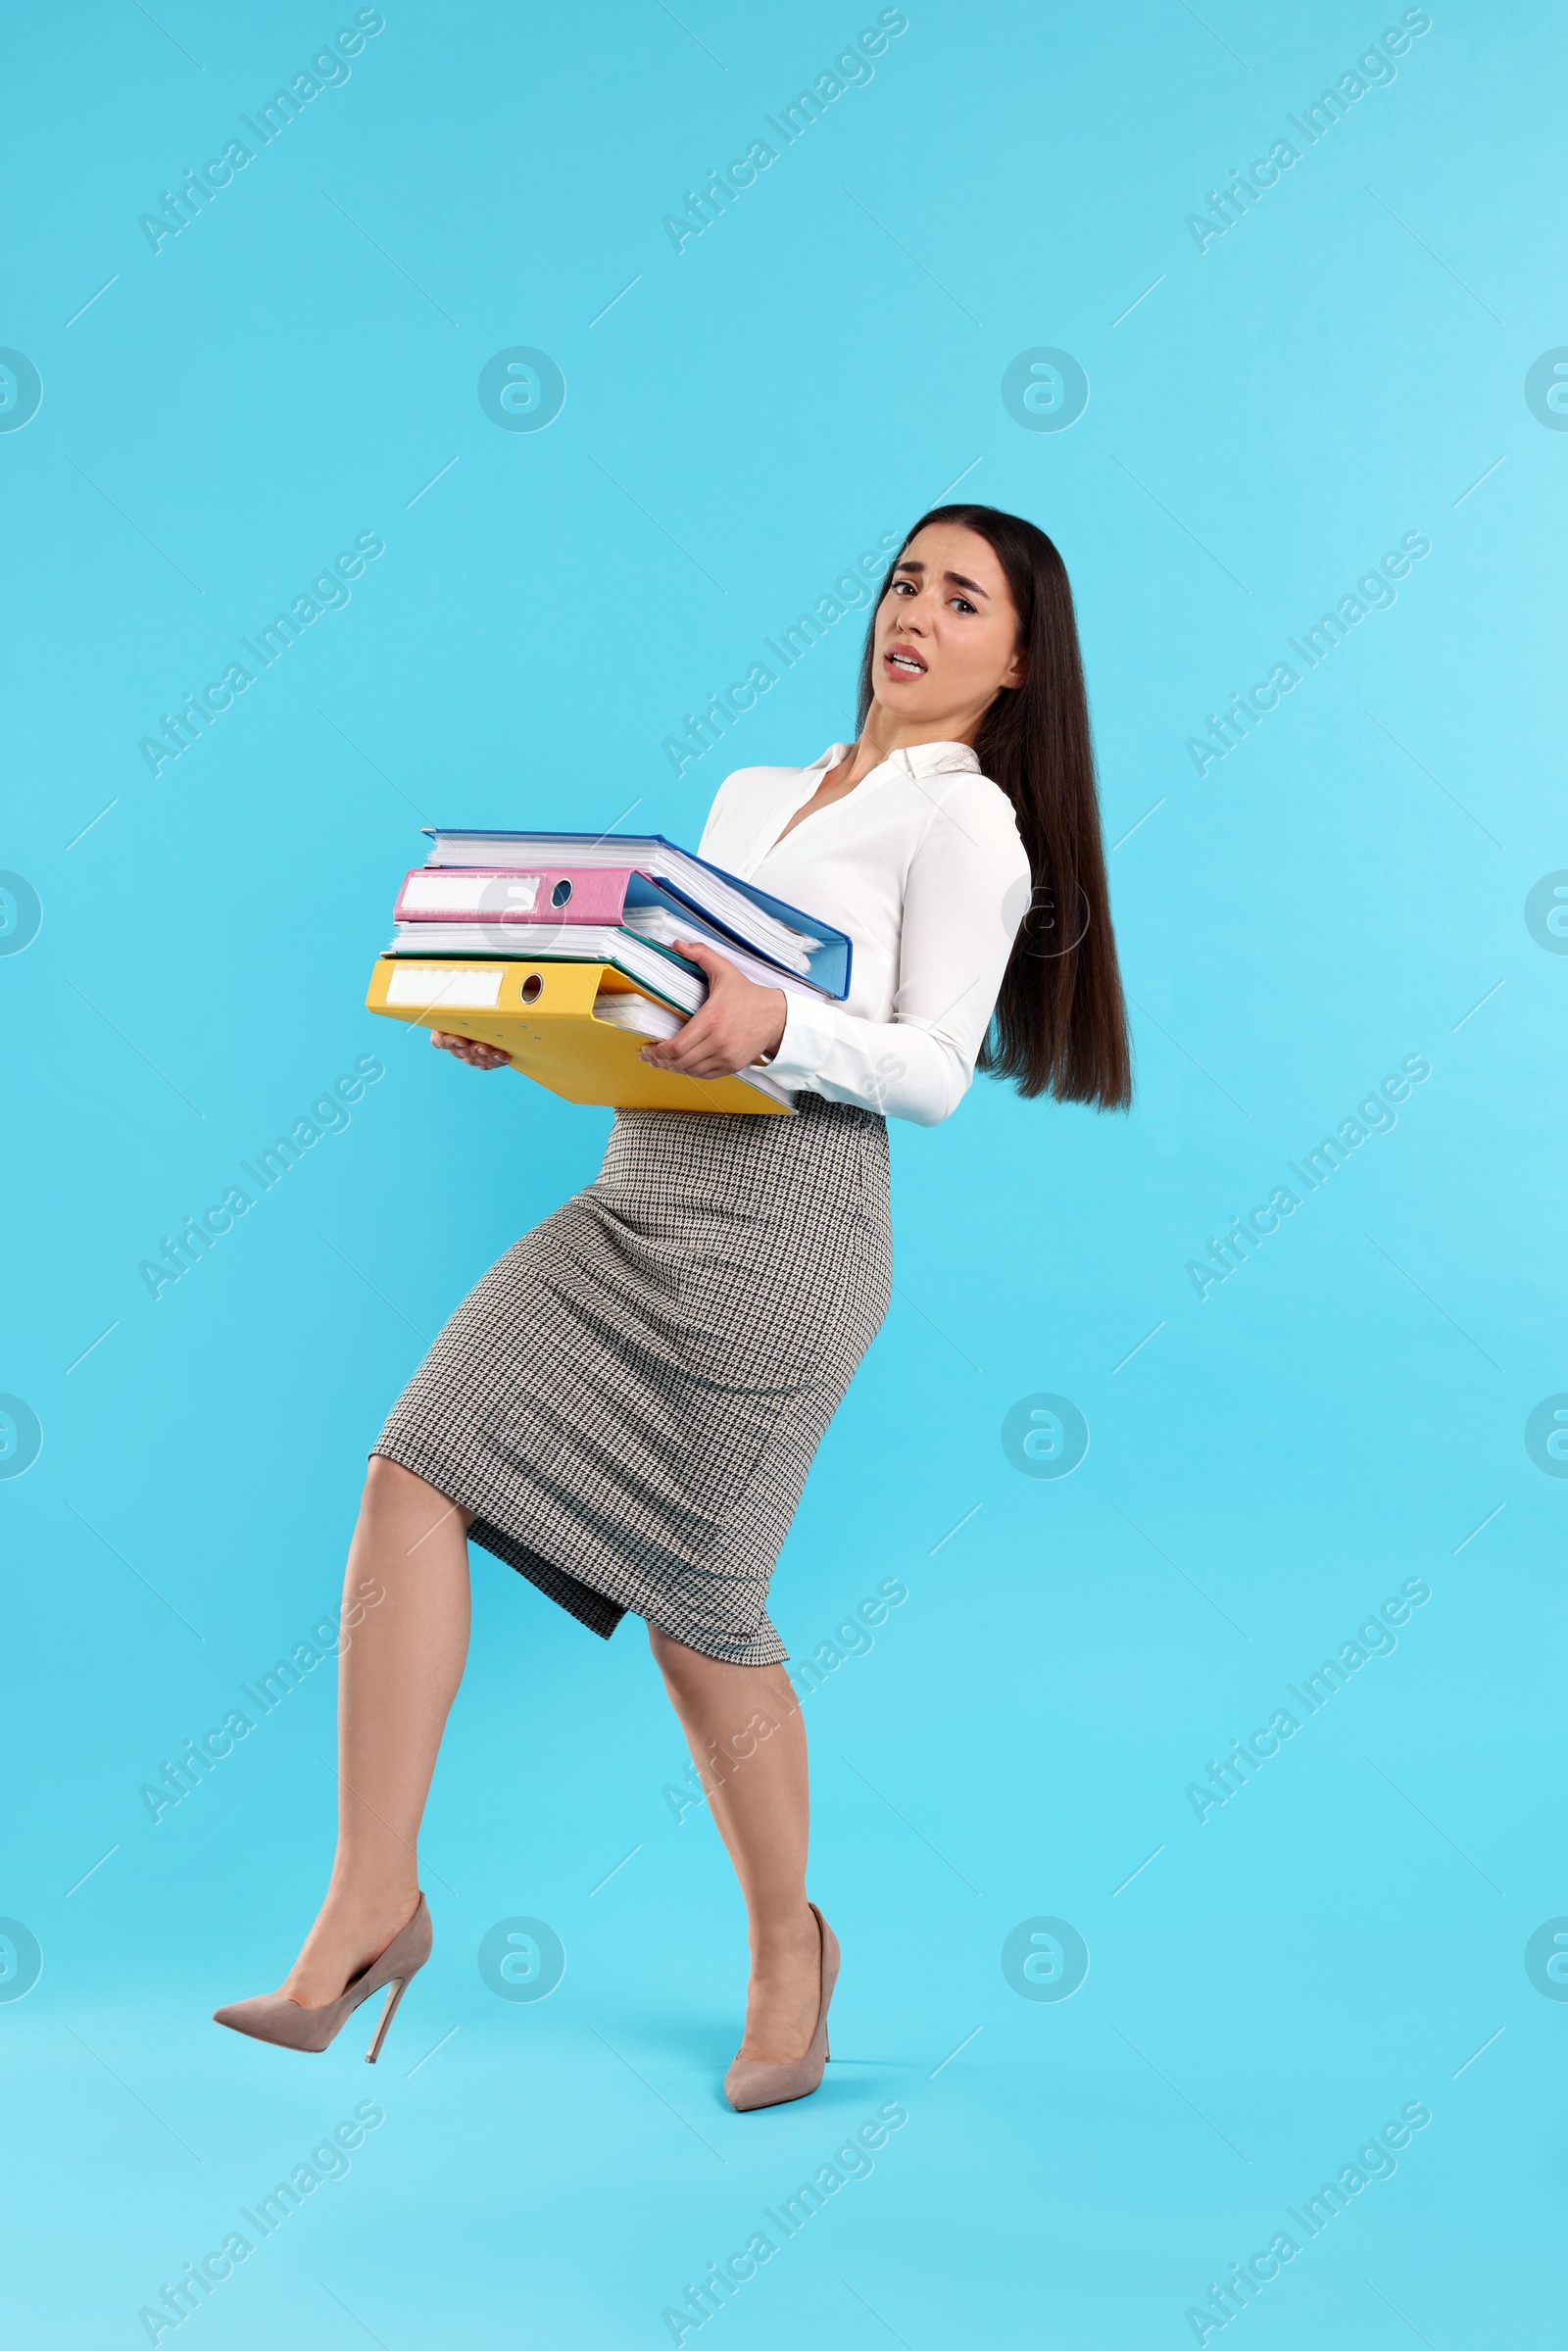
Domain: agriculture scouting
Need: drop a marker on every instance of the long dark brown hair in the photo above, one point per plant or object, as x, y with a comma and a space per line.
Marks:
1060, 1023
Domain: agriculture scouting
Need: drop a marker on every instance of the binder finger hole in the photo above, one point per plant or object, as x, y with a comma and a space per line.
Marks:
531, 987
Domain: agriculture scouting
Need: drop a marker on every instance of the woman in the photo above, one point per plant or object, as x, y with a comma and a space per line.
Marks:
626, 1407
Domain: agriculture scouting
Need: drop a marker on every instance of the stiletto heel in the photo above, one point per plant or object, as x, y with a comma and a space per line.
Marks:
395, 1992
271, 2016
751, 2082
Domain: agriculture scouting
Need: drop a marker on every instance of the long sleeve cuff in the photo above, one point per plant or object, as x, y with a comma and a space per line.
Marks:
898, 1070
805, 1043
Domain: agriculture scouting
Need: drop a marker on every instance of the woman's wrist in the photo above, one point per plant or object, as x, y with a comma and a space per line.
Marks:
776, 1035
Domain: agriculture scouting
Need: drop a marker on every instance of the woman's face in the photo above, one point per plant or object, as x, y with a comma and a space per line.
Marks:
946, 634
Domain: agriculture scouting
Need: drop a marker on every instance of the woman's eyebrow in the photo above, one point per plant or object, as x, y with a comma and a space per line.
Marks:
913, 564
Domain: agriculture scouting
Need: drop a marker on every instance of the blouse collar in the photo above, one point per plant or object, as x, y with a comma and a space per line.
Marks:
915, 758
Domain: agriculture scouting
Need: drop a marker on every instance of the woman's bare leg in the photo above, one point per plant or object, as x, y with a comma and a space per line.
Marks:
743, 1725
405, 1641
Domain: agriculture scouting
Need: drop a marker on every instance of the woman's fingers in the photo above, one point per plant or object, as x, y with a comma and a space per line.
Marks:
736, 1022
709, 1058
675, 1053
708, 958
701, 1049
468, 1050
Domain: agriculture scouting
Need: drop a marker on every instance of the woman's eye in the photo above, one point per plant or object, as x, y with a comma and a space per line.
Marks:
964, 601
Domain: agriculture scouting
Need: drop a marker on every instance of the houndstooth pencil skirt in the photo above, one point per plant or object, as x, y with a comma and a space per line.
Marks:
630, 1400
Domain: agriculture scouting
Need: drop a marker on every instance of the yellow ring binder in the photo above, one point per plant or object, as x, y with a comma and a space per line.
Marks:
541, 1015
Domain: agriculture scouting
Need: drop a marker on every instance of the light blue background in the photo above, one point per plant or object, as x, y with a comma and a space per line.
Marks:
300, 364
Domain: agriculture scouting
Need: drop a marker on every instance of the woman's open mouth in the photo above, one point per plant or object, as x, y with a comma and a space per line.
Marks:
900, 660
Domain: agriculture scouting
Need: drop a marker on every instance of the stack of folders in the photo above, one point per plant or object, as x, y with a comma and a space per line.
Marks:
559, 948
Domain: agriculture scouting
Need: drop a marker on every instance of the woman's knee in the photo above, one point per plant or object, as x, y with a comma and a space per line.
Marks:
391, 1491
667, 1651
683, 1668
692, 1674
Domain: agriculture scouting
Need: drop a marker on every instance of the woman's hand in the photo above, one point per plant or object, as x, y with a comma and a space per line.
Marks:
468, 1048
738, 1023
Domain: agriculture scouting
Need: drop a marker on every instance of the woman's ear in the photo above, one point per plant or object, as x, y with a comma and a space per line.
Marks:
1016, 671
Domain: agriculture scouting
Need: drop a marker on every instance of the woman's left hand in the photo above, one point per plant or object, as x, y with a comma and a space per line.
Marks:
738, 1023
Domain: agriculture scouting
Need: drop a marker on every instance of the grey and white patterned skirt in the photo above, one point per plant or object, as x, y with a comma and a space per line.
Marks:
630, 1400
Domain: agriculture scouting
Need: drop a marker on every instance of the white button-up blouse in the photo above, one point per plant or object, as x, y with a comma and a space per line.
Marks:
922, 864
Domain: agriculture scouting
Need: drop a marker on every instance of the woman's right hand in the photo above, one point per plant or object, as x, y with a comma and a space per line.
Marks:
468, 1048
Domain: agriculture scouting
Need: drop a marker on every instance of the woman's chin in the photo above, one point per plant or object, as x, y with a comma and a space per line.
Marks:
898, 695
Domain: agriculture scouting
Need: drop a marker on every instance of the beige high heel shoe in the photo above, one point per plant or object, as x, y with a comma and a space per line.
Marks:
751, 2082
271, 2016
